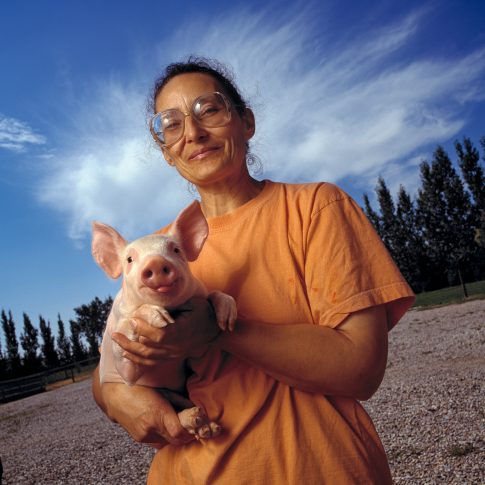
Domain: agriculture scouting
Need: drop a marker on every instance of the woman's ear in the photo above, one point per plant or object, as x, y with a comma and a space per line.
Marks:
249, 123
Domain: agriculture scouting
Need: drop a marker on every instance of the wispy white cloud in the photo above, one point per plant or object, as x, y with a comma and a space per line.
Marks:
359, 108
109, 170
325, 111
16, 135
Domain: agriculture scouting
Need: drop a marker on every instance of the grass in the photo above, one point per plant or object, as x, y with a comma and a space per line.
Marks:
453, 294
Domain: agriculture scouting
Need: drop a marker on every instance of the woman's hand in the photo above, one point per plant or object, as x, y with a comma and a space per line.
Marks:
194, 329
143, 412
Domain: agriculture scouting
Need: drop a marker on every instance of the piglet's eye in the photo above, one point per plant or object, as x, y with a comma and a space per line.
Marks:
129, 259
176, 250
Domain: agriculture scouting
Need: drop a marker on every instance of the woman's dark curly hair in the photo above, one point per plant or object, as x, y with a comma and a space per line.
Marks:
206, 66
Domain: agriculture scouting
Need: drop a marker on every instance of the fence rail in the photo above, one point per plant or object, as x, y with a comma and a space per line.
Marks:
14, 389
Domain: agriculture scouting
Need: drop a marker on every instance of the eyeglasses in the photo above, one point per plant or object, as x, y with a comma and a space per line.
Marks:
210, 110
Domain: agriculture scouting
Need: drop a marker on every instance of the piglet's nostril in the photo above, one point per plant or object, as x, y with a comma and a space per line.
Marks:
147, 274
166, 269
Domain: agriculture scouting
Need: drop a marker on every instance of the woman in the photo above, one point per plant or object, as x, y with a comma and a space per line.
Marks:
316, 293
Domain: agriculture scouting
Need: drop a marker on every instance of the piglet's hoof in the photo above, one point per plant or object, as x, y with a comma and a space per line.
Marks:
196, 422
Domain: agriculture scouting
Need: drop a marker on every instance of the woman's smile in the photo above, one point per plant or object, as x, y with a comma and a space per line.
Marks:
204, 152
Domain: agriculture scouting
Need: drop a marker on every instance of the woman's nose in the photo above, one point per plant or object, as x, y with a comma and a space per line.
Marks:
194, 131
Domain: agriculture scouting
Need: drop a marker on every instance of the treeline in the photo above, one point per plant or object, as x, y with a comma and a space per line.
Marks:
438, 238
51, 351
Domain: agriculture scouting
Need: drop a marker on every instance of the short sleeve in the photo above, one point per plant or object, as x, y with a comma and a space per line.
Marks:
347, 267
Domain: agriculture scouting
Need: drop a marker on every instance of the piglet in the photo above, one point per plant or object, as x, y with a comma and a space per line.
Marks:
156, 280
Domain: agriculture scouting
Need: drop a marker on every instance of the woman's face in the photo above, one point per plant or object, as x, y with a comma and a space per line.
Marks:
204, 155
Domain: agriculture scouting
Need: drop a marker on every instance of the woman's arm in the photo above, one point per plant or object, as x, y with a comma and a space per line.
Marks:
142, 411
349, 360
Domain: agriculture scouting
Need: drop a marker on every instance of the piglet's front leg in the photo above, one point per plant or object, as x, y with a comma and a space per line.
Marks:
156, 316
225, 309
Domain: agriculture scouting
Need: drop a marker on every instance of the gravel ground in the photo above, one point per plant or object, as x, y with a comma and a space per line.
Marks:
429, 413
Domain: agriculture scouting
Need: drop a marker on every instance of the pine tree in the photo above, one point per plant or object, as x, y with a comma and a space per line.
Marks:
92, 320
78, 349
473, 174
30, 346
413, 262
480, 232
372, 215
63, 343
469, 161
49, 353
399, 231
3, 364
14, 365
444, 214
388, 218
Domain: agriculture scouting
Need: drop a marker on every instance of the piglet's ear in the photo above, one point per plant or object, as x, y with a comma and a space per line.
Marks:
191, 230
107, 246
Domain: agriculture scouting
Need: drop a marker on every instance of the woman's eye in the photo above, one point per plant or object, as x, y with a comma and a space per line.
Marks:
129, 259
172, 126
206, 107
208, 110
170, 123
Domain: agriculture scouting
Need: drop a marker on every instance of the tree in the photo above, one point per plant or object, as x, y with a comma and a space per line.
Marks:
63, 343
3, 363
92, 321
398, 229
440, 237
372, 216
412, 259
49, 353
444, 213
388, 218
78, 349
480, 232
14, 365
473, 174
30, 346
469, 161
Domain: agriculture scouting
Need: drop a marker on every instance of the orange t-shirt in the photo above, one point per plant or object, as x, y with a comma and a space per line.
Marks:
294, 254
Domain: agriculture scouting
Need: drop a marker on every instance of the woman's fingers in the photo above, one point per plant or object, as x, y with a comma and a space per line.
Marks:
138, 351
149, 333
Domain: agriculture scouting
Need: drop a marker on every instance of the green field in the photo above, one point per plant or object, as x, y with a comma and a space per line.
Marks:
453, 294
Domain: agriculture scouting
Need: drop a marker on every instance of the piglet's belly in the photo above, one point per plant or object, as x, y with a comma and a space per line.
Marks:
170, 374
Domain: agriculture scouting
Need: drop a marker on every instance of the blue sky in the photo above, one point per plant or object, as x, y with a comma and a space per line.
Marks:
343, 91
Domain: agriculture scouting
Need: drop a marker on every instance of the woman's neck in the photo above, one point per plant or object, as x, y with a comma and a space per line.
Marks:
220, 199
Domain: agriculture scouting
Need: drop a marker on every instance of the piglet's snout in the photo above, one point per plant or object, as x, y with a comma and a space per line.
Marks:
158, 273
